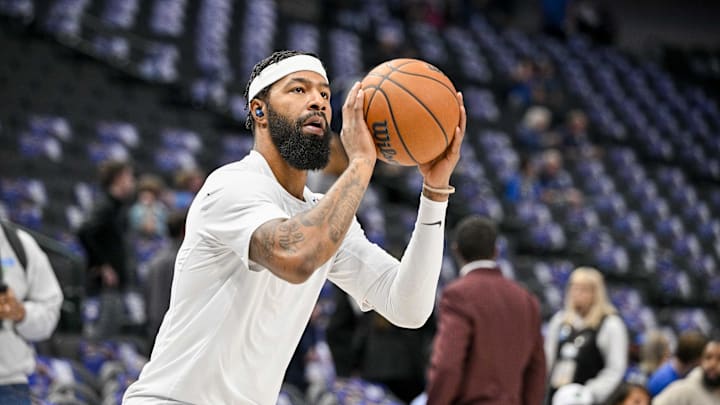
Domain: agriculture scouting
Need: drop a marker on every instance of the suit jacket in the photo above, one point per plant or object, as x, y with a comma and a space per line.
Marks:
488, 348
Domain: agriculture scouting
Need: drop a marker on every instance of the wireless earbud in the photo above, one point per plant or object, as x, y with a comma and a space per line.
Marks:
259, 112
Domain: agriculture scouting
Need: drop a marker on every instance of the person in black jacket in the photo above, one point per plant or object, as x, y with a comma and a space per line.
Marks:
103, 236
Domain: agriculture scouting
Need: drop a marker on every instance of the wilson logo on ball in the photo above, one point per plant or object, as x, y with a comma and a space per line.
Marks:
382, 141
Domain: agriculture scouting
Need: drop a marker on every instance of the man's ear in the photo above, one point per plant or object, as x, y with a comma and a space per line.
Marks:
258, 111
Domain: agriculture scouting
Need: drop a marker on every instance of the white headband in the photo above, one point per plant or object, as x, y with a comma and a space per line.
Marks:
278, 70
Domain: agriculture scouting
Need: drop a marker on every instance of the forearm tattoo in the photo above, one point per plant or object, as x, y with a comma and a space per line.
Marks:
344, 209
334, 212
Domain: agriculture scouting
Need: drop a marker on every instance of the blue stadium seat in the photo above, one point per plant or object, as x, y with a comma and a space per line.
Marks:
168, 17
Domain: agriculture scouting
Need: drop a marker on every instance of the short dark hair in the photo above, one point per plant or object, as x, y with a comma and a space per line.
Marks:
475, 238
110, 170
690, 346
622, 392
259, 67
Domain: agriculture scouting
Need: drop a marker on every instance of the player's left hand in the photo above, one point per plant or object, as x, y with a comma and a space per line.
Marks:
437, 172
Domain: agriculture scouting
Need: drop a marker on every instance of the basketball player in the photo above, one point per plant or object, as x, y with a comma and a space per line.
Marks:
259, 245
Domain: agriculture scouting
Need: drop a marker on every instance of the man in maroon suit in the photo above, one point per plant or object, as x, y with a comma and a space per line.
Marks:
488, 348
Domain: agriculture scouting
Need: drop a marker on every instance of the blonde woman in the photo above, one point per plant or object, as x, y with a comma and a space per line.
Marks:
586, 342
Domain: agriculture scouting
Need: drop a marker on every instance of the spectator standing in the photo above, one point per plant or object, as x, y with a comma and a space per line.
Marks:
103, 236
30, 300
488, 347
160, 275
586, 342
366, 345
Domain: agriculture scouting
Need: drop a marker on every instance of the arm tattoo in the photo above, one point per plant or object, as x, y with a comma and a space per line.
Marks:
289, 235
333, 215
267, 244
345, 207
314, 218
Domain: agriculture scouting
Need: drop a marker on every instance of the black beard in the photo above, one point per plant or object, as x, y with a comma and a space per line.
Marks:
303, 152
711, 383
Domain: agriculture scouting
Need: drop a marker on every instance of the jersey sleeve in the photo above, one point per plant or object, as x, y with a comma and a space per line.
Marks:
232, 209
358, 264
44, 297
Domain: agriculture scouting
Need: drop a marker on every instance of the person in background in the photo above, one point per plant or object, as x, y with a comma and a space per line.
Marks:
629, 394
687, 356
160, 274
523, 185
654, 352
556, 186
103, 235
187, 184
479, 355
402, 372
148, 216
701, 386
534, 134
586, 342
30, 300
296, 374
576, 143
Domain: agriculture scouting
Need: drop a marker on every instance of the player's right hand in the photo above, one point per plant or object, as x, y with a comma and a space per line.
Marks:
355, 136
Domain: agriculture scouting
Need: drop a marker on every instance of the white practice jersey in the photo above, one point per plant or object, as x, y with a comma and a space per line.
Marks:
233, 326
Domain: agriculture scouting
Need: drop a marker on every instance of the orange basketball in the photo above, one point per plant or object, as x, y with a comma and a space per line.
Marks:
411, 109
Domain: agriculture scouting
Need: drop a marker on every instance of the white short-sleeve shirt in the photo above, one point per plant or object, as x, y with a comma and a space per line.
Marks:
233, 326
